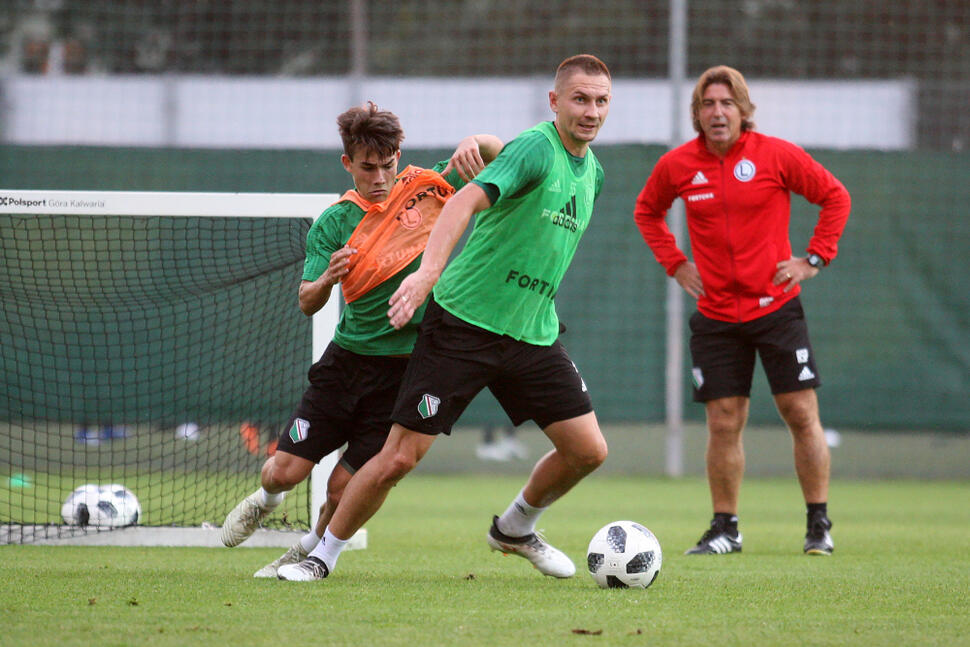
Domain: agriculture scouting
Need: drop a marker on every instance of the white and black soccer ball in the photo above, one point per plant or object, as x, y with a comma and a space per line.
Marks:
101, 506
624, 554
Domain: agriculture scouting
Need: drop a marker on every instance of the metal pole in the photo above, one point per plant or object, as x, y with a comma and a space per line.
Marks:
674, 396
358, 50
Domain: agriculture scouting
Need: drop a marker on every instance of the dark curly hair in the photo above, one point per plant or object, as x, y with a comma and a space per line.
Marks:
368, 128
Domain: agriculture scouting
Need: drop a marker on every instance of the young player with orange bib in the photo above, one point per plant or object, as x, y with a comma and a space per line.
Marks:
368, 241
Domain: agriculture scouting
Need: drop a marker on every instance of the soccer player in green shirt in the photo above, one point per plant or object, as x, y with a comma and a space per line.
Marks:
492, 323
353, 385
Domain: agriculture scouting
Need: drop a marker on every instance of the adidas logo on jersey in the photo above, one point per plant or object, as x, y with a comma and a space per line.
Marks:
806, 374
699, 178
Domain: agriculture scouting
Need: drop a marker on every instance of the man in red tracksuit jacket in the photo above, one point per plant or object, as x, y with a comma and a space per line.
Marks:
737, 185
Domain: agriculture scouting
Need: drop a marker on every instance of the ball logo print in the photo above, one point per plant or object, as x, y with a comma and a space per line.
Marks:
624, 554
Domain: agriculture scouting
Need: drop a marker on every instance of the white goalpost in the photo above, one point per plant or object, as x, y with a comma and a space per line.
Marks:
140, 258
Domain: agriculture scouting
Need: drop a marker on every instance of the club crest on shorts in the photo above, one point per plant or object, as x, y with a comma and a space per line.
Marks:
698, 376
299, 431
428, 405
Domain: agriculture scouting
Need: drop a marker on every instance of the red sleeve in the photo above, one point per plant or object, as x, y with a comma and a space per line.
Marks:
650, 215
808, 178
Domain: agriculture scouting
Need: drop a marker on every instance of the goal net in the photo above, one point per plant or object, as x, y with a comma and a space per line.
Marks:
151, 340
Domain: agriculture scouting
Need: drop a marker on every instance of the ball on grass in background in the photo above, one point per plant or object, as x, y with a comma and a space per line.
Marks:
105, 506
624, 554
187, 431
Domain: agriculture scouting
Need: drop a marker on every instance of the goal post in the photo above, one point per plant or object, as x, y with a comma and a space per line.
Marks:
153, 339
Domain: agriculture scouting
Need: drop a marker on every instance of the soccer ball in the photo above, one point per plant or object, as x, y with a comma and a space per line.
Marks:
624, 554
101, 506
187, 431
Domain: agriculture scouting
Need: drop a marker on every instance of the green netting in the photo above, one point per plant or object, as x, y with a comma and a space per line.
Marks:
136, 350
845, 40
887, 318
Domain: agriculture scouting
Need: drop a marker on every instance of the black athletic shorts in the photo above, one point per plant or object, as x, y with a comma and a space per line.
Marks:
349, 401
453, 360
723, 353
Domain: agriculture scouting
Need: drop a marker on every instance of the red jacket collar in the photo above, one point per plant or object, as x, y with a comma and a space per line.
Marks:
701, 143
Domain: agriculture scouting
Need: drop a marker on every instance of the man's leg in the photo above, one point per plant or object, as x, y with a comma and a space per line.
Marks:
726, 418
366, 492
338, 480
579, 448
799, 410
362, 498
280, 474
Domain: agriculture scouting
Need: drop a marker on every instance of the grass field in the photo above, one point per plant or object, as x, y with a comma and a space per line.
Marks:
900, 576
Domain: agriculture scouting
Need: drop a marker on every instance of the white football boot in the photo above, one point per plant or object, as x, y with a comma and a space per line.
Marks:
243, 521
294, 555
308, 570
547, 559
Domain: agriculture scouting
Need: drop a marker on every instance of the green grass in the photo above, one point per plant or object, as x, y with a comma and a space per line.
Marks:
900, 576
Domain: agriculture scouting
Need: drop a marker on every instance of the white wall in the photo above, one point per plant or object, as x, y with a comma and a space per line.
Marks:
233, 112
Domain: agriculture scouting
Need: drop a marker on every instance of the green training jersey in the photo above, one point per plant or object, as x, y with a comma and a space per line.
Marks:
363, 327
506, 277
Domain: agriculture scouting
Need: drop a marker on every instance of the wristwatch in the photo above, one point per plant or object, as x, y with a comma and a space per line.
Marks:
816, 261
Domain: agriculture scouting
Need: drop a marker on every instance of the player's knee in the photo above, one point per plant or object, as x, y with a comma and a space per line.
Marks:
726, 417
801, 417
333, 498
725, 425
396, 465
282, 476
281, 481
589, 457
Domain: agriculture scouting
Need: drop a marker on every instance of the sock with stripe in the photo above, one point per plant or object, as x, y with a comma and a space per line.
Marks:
310, 540
328, 550
520, 518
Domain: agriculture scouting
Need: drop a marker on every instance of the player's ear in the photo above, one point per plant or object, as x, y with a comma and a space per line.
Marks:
554, 101
346, 161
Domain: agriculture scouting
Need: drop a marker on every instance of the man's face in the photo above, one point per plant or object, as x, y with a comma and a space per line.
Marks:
373, 173
720, 117
581, 103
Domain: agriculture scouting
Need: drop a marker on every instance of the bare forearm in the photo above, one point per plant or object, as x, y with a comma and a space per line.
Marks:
452, 221
489, 146
451, 224
314, 295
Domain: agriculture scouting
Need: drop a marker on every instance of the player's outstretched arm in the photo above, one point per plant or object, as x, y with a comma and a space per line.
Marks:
472, 155
451, 224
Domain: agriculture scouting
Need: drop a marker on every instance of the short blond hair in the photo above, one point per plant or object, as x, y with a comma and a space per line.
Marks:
586, 63
739, 90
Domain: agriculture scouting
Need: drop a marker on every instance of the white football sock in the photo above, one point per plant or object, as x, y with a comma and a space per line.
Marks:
310, 540
269, 501
520, 518
328, 550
